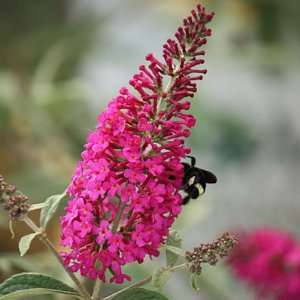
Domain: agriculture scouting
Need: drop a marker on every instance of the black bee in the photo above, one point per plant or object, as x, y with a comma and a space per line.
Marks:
195, 180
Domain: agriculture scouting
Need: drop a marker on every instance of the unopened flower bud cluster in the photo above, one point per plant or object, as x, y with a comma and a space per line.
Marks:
12, 200
210, 253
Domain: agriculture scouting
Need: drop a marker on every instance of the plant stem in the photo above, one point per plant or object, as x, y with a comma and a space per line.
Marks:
137, 284
43, 237
143, 282
96, 291
118, 218
97, 287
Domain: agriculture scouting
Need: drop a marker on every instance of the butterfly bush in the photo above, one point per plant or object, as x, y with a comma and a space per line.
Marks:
269, 260
124, 195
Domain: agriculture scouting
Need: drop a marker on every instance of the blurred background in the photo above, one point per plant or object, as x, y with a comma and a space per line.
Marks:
61, 61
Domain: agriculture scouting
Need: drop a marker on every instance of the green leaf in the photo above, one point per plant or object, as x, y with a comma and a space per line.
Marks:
25, 242
160, 277
195, 282
139, 294
29, 284
49, 210
173, 240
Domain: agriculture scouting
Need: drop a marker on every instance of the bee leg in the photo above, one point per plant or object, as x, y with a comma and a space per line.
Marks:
184, 187
193, 160
193, 192
186, 200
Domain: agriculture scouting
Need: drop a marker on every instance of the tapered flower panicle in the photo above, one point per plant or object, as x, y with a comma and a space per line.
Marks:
269, 260
124, 193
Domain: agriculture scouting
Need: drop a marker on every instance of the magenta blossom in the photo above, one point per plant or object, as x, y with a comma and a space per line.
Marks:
269, 260
125, 190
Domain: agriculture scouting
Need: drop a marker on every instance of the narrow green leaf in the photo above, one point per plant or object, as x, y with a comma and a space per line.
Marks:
29, 284
25, 242
139, 294
195, 281
160, 277
11, 229
49, 210
173, 240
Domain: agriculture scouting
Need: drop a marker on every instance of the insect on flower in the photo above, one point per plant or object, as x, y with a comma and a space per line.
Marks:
195, 180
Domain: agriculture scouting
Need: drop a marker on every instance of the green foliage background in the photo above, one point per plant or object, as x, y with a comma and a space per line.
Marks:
61, 61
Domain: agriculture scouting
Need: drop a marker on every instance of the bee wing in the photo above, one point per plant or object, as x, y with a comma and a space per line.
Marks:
209, 176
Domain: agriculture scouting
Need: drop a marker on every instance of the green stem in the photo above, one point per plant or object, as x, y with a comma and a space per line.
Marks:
143, 282
96, 290
97, 287
118, 218
43, 237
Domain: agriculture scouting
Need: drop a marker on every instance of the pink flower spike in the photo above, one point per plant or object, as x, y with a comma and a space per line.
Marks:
124, 194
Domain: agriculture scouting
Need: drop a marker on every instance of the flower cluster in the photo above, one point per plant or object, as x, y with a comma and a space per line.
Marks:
125, 190
12, 200
210, 253
269, 260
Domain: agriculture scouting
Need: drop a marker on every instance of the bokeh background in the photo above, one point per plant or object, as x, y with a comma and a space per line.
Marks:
61, 61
